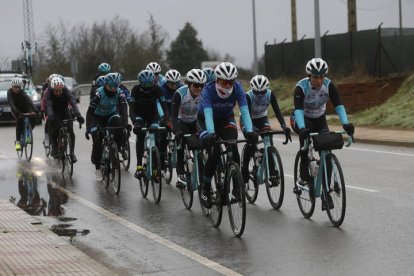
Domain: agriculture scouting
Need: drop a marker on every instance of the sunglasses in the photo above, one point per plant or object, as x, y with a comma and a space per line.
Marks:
112, 87
15, 86
147, 84
226, 82
57, 90
198, 85
172, 83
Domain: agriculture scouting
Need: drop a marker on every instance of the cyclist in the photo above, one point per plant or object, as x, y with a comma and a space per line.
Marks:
100, 81
259, 97
216, 118
103, 69
209, 72
173, 82
310, 97
156, 69
107, 108
145, 111
58, 100
20, 103
184, 115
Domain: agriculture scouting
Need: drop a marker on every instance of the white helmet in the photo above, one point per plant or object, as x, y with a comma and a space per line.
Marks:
196, 76
17, 82
317, 67
226, 71
172, 76
57, 83
154, 67
259, 83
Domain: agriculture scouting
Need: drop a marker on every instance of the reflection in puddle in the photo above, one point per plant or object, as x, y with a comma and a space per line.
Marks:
31, 202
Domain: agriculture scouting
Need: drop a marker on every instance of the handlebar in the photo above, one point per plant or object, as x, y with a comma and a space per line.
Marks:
66, 121
350, 139
267, 133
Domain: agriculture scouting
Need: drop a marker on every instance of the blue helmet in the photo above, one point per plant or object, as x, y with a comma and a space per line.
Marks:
100, 81
112, 79
104, 68
146, 78
210, 74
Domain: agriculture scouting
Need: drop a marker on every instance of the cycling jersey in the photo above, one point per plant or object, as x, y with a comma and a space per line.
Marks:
311, 103
167, 94
184, 106
214, 108
20, 102
59, 105
143, 103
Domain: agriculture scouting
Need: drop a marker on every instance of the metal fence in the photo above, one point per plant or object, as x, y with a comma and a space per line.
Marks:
378, 52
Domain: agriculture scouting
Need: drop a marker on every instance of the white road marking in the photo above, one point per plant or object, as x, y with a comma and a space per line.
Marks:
186, 252
350, 186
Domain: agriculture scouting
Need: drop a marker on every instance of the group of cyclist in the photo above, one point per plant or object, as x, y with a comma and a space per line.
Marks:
203, 105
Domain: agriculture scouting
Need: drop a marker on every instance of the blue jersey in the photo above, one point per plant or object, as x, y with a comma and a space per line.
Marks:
167, 93
216, 108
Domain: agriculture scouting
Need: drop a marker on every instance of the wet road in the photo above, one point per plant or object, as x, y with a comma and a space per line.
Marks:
132, 235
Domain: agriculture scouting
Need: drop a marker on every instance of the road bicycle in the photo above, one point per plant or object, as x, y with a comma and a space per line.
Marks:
193, 167
327, 181
171, 158
110, 163
152, 165
65, 149
265, 167
227, 189
26, 139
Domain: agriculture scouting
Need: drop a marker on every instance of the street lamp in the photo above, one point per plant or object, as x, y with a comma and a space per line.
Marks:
255, 63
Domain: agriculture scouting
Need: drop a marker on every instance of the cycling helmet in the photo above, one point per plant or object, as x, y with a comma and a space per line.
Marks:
146, 78
154, 67
104, 68
196, 76
259, 84
316, 67
209, 72
112, 79
17, 82
173, 76
226, 71
100, 81
57, 83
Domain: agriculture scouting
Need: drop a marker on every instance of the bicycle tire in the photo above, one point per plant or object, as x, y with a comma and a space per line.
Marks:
127, 162
187, 193
28, 148
105, 165
143, 186
306, 199
67, 157
168, 168
336, 215
236, 201
115, 168
215, 213
251, 186
47, 150
201, 162
156, 177
275, 182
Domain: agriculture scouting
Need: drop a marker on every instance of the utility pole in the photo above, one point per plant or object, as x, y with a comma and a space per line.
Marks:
293, 15
352, 17
400, 13
318, 52
28, 46
255, 63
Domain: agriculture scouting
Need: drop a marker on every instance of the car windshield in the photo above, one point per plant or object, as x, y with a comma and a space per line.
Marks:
5, 85
29, 88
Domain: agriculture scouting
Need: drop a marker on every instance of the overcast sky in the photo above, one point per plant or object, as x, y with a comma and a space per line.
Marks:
223, 25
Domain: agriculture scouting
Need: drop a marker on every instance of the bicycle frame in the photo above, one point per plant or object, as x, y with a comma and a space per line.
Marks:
149, 143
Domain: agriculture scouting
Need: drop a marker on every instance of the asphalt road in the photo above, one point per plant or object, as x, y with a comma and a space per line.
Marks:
132, 235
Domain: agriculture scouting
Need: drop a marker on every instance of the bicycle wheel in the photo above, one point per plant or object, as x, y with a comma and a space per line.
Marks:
47, 149
115, 169
251, 186
187, 192
143, 182
336, 191
168, 166
105, 165
127, 149
67, 169
201, 160
275, 180
156, 178
236, 200
215, 214
28, 149
305, 196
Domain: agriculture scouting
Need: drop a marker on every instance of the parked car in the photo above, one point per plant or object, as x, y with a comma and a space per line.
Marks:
29, 88
73, 87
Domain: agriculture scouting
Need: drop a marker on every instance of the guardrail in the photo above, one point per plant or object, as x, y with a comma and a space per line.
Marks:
86, 88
